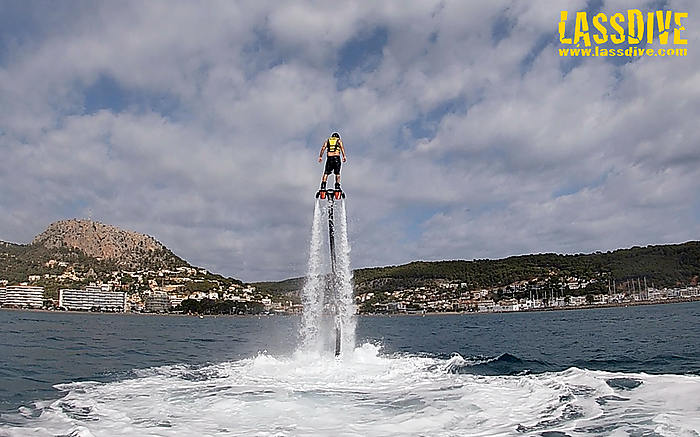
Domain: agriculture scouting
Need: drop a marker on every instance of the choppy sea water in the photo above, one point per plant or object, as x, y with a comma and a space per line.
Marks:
608, 372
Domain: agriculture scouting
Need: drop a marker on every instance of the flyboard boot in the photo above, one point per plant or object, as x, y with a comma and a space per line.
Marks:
338, 192
322, 192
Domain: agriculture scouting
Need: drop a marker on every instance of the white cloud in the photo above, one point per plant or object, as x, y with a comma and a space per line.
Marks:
467, 135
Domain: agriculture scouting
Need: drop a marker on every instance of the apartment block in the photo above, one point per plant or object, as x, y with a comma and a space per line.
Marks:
157, 302
23, 296
93, 298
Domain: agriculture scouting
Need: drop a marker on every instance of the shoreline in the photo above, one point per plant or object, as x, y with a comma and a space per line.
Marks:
538, 310
403, 314
129, 313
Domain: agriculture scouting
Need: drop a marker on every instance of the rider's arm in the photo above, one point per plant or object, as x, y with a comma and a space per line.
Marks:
342, 149
320, 156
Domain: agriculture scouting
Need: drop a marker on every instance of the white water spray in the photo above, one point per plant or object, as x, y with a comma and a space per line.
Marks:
313, 291
328, 302
346, 298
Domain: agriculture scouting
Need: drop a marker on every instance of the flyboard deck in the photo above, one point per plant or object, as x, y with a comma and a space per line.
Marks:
330, 194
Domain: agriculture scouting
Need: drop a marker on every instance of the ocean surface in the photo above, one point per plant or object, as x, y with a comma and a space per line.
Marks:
631, 371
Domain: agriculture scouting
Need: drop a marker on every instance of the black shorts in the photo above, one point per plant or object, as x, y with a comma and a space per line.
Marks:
332, 165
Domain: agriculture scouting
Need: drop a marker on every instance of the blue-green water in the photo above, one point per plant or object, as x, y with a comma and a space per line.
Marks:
58, 370
652, 339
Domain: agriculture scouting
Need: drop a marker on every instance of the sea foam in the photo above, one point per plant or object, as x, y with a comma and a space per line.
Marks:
364, 393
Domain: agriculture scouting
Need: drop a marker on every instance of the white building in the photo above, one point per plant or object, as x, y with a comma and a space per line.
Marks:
486, 305
577, 301
175, 300
3, 293
24, 296
157, 302
507, 305
92, 298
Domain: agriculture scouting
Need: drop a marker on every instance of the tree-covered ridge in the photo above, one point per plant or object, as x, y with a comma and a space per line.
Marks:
662, 265
665, 266
288, 286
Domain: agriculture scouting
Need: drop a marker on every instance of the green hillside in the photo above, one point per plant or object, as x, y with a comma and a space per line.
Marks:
662, 265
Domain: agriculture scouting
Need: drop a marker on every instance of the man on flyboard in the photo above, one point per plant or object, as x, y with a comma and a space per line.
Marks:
334, 146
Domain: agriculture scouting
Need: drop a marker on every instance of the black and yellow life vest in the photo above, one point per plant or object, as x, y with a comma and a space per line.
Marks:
333, 144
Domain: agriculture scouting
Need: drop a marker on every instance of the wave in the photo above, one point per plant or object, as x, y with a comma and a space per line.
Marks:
504, 364
370, 394
659, 364
508, 364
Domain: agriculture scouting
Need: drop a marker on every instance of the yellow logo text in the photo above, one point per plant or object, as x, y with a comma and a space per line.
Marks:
656, 23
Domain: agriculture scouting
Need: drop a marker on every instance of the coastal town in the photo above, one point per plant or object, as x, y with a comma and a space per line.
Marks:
164, 291
437, 300
146, 291
83, 265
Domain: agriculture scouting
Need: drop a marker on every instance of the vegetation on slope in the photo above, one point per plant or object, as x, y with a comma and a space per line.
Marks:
663, 265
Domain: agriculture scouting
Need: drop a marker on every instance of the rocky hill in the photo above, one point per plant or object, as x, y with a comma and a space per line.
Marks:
76, 253
86, 249
126, 249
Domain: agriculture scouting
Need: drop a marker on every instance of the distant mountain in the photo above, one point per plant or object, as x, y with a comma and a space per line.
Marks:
91, 249
126, 249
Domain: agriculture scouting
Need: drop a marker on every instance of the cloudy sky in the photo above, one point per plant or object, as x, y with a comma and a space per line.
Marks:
467, 134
